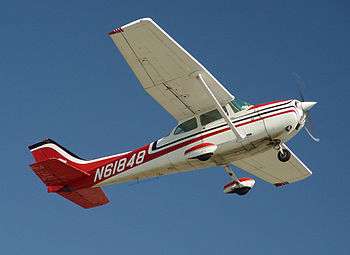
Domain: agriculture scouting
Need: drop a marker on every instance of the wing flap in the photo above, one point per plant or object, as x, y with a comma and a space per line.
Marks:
86, 198
266, 166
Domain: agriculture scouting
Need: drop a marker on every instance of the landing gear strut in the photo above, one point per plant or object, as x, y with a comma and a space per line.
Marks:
283, 154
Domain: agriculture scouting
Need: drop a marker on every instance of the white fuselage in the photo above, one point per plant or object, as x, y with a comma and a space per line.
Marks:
262, 125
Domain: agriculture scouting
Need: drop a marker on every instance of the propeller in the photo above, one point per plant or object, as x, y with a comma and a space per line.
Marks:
306, 106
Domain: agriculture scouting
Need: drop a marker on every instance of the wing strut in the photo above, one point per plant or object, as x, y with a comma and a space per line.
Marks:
220, 109
231, 173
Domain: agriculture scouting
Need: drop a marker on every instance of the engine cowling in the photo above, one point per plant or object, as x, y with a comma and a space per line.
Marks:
240, 187
202, 151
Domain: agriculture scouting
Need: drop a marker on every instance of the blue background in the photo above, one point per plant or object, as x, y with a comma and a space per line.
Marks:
62, 77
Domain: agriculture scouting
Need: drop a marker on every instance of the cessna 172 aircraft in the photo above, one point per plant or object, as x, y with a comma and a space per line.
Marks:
215, 128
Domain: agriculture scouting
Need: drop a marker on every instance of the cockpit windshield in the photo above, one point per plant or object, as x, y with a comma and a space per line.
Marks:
238, 105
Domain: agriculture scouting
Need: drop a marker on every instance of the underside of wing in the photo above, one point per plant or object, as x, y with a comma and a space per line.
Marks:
166, 70
266, 166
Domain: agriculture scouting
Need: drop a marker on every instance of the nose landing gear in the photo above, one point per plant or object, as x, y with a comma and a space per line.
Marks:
283, 154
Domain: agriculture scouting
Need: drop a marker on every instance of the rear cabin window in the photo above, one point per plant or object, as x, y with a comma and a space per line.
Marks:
238, 105
211, 116
186, 126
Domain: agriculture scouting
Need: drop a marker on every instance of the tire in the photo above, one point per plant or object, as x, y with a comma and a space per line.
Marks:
242, 191
204, 157
285, 156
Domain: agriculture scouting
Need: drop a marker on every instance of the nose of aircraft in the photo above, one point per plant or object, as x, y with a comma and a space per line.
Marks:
307, 105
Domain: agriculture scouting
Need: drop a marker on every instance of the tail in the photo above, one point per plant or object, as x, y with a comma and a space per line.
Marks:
60, 170
48, 149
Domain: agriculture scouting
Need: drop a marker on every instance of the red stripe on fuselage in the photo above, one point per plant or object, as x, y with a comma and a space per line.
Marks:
261, 105
92, 167
262, 118
199, 146
158, 154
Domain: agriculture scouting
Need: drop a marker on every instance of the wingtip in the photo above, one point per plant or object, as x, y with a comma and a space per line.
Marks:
116, 30
147, 19
280, 184
122, 28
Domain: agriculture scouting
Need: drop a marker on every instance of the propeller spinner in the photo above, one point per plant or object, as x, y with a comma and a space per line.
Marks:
305, 106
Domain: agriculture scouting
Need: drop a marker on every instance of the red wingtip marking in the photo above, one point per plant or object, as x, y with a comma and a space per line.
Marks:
281, 184
116, 30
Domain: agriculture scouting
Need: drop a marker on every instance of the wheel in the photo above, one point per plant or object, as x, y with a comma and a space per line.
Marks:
242, 191
285, 156
205, 157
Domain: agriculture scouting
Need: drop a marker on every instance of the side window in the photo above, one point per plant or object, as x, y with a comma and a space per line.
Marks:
211, 116
186, 126
239, 105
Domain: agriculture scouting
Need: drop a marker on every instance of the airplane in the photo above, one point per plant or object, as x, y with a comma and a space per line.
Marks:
214, 128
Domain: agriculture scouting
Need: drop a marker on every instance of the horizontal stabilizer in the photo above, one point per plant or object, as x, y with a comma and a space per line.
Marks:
55, 172
86, 198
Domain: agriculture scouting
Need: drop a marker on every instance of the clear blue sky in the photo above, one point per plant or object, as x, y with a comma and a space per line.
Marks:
62, 77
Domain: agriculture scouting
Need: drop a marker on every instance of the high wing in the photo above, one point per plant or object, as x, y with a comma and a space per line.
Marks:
166, 70
266, 166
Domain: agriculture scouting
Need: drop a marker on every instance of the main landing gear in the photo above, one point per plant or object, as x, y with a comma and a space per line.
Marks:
239, 186
283, 154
